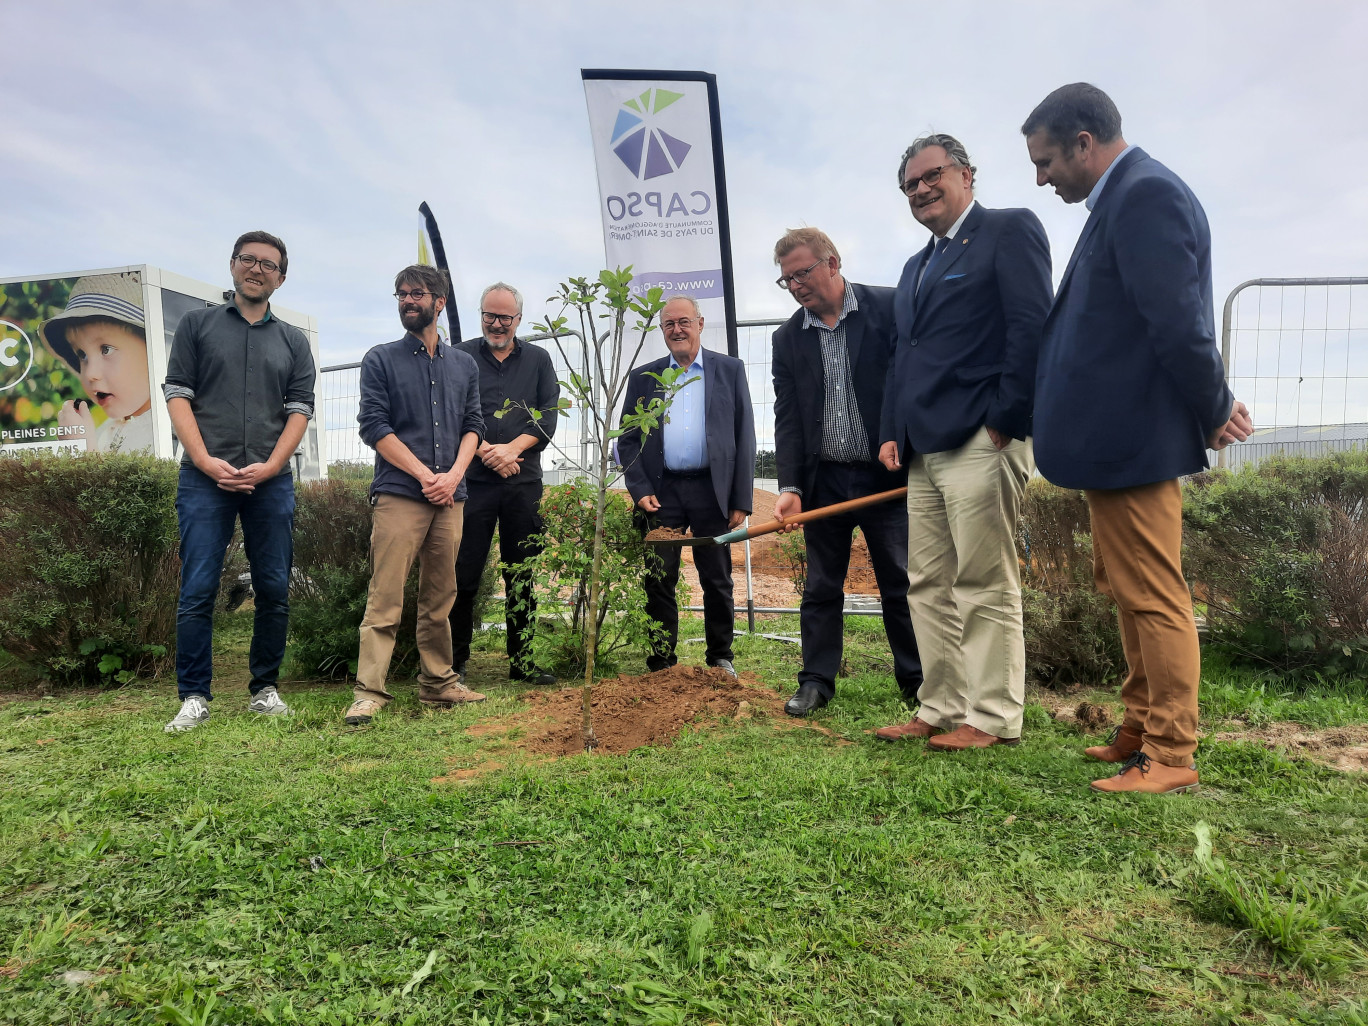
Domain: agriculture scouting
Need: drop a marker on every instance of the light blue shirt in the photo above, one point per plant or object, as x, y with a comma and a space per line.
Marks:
1096, 193
686, 430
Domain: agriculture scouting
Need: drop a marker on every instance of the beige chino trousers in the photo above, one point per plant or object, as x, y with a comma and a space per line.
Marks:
965, 583
402, 530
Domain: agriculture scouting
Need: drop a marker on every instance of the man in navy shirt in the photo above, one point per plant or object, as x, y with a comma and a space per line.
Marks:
420, 411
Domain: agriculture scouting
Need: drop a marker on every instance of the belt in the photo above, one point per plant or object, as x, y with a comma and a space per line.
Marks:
686, 474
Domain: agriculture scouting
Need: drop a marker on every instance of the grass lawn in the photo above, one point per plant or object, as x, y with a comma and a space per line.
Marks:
265, 871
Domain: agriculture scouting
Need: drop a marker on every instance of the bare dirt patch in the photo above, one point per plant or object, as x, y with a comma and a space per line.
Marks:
632, 712
1342, 748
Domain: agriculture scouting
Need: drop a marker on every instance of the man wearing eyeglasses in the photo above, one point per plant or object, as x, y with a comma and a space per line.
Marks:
697, 472
957, 414
505, 480
829, 363
420, 411
239, 389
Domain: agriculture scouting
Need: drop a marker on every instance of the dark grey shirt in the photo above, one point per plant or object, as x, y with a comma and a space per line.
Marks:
428, 402
242, 380
526, 376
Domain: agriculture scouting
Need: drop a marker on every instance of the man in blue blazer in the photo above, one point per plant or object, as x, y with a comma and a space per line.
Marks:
697, 471
1130, 392
957, 413
829, 362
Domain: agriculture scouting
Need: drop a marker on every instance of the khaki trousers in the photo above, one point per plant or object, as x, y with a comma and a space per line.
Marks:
1137, 562
402, 529
965, 583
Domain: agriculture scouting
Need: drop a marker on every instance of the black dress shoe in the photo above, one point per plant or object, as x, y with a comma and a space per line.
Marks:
542, 678
725, 665
805, 700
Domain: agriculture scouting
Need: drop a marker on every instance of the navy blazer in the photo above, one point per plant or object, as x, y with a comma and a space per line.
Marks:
800, 387
1130, 382
730, 427
966, 343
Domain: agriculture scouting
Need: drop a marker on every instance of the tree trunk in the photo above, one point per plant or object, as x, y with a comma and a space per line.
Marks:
591, 624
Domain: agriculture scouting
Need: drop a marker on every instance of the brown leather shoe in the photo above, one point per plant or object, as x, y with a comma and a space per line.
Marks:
1143, 774
452, 694
912, 729
1122, 742
964, 736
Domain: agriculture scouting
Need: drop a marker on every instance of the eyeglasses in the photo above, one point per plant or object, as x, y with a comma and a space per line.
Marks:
503, 320
930, 178
248, 261
797, 277
683, 324
418, 294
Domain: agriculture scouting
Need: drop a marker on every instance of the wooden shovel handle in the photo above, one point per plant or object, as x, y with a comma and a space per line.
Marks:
827, 511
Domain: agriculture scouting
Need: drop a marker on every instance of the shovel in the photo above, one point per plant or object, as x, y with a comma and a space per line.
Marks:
742, 533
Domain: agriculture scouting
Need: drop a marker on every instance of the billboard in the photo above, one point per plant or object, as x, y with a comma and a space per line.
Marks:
662, 192
83, 355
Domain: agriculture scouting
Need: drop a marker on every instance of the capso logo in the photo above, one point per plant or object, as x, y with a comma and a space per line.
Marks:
16, 355
647, 151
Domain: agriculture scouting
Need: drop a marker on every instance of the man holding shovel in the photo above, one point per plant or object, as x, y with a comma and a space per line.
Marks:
829, 363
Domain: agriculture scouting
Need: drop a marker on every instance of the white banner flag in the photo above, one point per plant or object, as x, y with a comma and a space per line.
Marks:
662, 197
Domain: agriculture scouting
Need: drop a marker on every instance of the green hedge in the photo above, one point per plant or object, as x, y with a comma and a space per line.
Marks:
1278, 558
89, 566
1071, 631
332, 575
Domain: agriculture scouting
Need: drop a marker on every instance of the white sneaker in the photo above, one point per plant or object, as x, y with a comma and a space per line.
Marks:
267, 702
193, 711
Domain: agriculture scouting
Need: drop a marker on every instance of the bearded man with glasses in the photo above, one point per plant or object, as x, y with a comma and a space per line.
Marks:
829, 363
239, 390
420, 411
505, 481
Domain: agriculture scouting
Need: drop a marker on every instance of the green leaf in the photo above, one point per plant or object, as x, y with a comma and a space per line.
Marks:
422, 973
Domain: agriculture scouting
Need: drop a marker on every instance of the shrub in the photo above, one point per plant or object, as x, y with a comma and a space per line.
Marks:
1279, 554
791, 554
332, 575
561, 572
1071, 631
89, 566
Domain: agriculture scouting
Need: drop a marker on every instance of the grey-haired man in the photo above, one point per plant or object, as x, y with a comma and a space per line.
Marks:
505, 482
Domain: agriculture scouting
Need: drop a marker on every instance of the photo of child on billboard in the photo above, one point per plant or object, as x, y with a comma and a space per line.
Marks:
102, 337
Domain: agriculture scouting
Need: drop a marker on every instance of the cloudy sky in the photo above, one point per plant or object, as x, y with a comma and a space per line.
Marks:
156, 132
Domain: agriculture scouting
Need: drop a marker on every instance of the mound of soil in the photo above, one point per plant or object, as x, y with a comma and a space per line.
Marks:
630, 712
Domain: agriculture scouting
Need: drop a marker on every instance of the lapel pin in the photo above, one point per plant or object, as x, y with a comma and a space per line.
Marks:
965, 243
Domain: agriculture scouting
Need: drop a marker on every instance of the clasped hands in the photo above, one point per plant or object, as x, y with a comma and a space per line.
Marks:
238, 479
501, 457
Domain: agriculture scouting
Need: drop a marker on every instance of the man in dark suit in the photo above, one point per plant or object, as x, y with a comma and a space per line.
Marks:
829, 363
957, 414
1130, 391
696, 471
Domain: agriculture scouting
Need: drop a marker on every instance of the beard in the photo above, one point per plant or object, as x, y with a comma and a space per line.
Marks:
419, 319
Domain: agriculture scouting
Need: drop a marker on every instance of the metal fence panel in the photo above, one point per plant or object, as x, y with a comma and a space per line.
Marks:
1296, 353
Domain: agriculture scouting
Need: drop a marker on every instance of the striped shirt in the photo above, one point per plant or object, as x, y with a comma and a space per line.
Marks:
844, 439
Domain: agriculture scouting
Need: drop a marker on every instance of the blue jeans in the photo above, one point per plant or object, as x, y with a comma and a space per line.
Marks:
206, 514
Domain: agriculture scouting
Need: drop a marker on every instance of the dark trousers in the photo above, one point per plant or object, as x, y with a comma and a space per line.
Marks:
689, 501
828, 558
515, 510
206, 514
